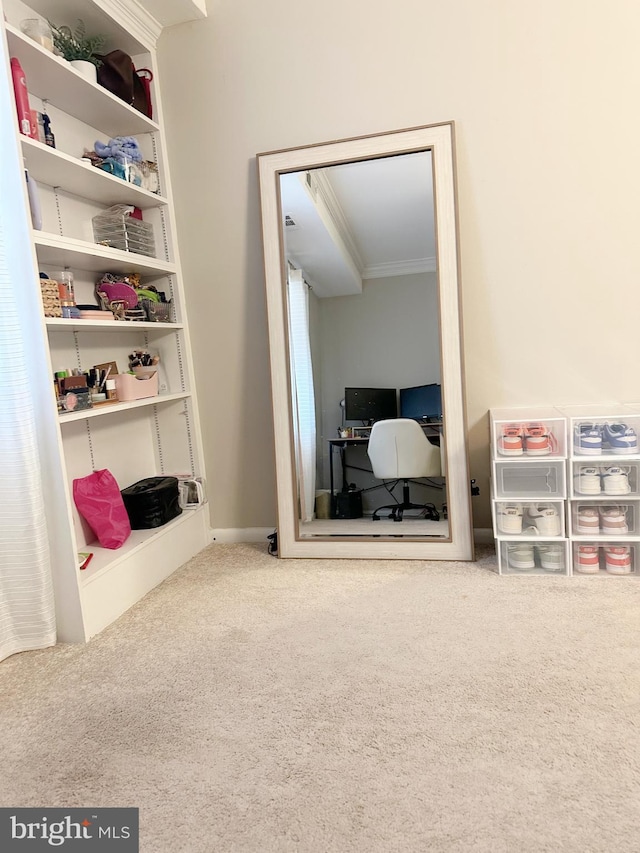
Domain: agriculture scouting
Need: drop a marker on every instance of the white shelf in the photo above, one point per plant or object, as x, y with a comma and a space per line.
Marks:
61, 324
104, 560
111, 408
49, 166
60, 252
54, 80
135, 439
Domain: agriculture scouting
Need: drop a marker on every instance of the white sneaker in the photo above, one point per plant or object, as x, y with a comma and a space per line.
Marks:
588, 481
588, 521
615, 481
551, 557
542, 519
509, 517
521, 556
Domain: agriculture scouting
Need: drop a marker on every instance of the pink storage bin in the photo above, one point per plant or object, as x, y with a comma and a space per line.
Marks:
130, 387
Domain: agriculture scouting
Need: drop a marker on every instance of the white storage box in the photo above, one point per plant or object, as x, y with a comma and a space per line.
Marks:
528, 433
529, 479
517, 519
598, 557
610, 519
598, 479
533, 557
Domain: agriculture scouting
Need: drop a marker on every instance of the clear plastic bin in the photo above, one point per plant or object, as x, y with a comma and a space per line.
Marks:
116, 228
612, 518
528, 518
530, 434
533, 558
529, 479
609, 431
597, 557
597, 479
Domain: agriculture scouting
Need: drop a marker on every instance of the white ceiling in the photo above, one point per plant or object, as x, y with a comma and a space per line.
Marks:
354, 221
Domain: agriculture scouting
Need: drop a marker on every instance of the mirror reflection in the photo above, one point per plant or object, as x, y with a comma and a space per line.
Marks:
365, 348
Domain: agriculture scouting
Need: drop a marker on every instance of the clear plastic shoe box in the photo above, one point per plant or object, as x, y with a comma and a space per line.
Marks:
533, 557
596, 431
524, 520
604, 479
543, 480
603, 519
621, 562
516, 434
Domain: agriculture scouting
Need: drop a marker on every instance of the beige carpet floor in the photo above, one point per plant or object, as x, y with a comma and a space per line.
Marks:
255, 704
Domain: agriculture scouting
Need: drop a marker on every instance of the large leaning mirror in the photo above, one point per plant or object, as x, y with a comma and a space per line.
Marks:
361, 270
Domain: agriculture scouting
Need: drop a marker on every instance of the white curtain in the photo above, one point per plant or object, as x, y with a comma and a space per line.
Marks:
303, 397
27, 615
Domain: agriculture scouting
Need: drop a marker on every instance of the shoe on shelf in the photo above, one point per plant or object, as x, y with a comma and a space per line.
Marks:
619, 439
551, 557
588, 521
521, 556
538, 441
588, 481
510, 442
586, 560
617, 560
615, 480
509, 518
542, 519
613, 520
587, 439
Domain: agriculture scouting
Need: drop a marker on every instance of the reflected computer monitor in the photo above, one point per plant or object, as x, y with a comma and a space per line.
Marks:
422, 403
370, 404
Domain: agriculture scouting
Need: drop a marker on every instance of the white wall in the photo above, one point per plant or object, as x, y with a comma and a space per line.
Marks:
544, 97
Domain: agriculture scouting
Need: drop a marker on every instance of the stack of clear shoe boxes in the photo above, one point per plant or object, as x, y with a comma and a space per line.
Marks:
604, 488
566, 489
529, 491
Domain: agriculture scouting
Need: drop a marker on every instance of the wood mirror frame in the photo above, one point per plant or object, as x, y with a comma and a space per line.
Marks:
439, 140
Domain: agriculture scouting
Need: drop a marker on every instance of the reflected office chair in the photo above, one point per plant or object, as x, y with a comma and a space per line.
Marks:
399, 450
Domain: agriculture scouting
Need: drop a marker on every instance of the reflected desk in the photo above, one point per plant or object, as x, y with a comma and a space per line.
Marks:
432, 430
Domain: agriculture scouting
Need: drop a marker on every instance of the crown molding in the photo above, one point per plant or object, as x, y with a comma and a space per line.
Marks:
321, 187
393, 268
134, 18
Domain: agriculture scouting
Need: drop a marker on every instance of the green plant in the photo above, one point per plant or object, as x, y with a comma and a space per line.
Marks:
76, 44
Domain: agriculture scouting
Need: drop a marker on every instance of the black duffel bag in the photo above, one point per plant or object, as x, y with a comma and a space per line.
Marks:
152, 502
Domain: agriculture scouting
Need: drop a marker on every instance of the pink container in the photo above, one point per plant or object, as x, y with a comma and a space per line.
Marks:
129, 387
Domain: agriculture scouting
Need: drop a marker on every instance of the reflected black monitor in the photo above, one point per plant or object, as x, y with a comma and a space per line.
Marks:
422, 403
370, 404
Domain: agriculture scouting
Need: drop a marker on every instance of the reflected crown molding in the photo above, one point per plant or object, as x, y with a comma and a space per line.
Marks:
395, 268
321, 188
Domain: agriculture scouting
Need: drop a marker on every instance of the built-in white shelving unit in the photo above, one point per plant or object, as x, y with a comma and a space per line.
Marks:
141, 438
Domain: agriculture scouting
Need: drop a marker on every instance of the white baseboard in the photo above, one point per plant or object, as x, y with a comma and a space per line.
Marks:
483, 535
241, 534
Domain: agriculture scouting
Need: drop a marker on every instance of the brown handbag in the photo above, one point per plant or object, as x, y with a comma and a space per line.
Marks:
118, 74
